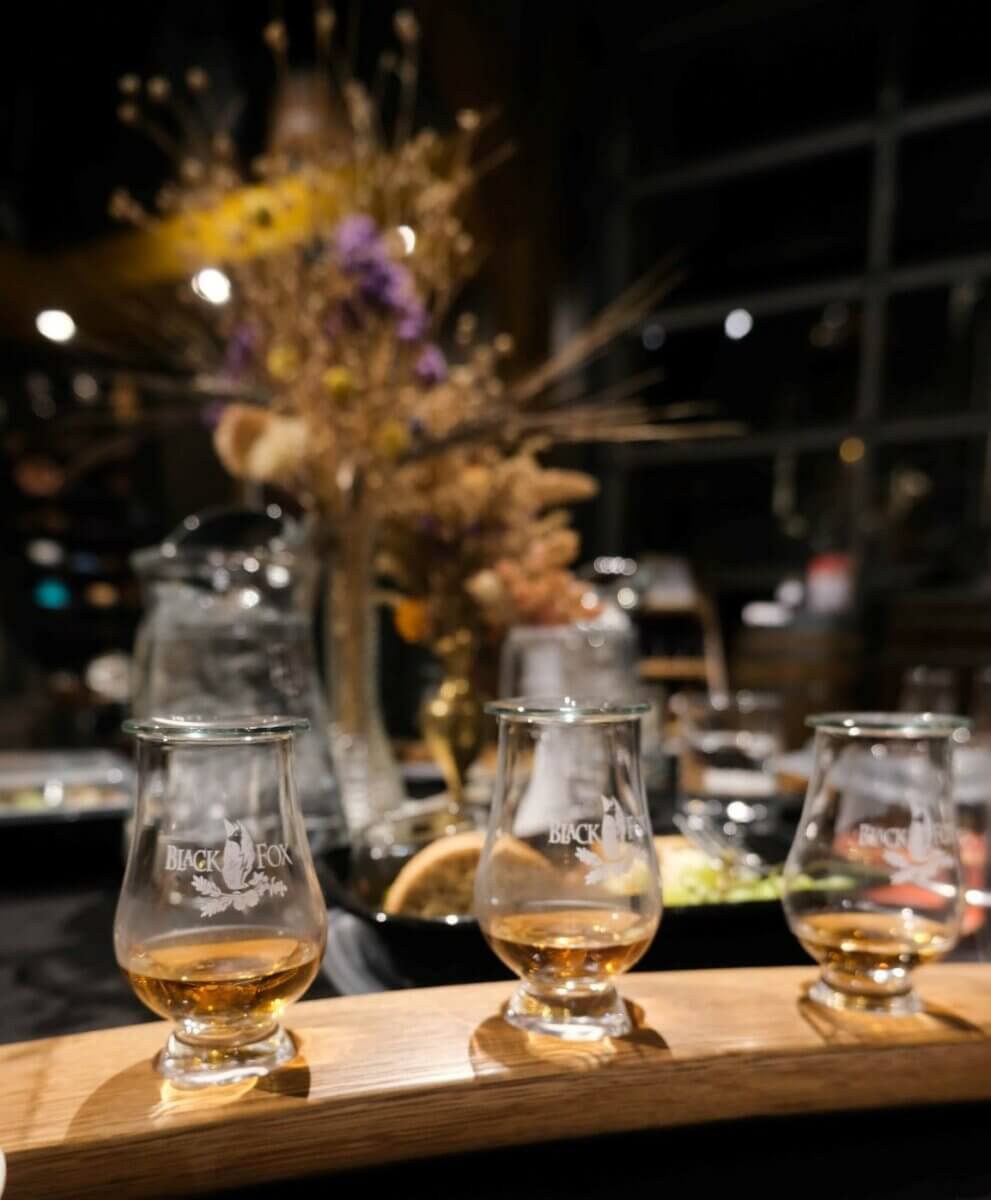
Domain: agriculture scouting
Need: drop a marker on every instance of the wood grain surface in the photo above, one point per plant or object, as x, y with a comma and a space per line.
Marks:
410, 1074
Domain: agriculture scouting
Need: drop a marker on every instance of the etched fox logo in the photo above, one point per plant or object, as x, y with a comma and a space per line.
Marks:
238, 859
614, 829
608, 855
240, 866
921, 858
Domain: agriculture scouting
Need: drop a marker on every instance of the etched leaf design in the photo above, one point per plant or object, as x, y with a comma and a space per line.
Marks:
243, 900
213, 905
215, 900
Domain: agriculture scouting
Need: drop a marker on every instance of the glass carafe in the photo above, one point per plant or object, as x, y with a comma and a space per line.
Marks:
228, 628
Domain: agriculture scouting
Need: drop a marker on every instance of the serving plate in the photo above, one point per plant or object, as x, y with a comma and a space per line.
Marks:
366, 945
63, 786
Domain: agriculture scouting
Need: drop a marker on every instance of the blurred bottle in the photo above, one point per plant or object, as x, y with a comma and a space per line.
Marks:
981, 704
929, 689
729, 743
829, 584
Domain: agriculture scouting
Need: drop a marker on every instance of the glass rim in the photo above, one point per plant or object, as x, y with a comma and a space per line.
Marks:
567, 709
889, 724
168, 556
215, 731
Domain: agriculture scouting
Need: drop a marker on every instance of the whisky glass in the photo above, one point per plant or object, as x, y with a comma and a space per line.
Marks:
221, 922
568, 891
873, 882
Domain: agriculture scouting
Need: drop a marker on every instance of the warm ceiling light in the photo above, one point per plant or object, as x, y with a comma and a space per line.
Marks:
738, 324
46, 552
212, 285
85, 387
407, 237
55, 324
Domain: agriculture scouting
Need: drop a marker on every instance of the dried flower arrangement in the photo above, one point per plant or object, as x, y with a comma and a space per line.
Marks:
478, 539
353, 383
344, 265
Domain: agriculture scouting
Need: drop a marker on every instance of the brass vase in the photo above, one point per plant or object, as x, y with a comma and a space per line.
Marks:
452, 719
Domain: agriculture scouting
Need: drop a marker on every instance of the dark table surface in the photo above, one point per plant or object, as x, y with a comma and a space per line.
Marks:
912, 1154
58, 893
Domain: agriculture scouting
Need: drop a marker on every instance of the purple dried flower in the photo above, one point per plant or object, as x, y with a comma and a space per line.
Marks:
379, 281
397, 287
211, 412
412, 324
353, 238
386, 283
431, 366
240, 349
382, 283
430, 526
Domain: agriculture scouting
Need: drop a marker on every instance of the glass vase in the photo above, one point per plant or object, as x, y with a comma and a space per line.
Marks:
369, 778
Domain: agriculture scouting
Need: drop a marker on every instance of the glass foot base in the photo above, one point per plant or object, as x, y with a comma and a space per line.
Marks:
587, 1018
201, 1066
900, 1005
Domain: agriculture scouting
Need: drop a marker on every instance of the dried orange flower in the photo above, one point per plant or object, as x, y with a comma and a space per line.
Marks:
261, 446
411, 620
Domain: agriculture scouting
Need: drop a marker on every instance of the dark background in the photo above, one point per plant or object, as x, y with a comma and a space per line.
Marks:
825, 166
